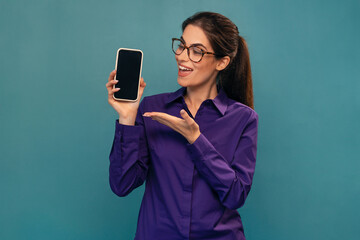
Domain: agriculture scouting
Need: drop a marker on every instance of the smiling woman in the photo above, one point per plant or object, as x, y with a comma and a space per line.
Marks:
195, 147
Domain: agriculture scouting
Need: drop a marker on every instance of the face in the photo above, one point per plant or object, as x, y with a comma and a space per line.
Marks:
201, 73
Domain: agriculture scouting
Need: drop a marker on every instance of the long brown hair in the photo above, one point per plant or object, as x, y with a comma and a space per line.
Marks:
224, 38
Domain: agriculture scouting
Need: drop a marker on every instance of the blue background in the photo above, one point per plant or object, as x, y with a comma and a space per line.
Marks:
56, 127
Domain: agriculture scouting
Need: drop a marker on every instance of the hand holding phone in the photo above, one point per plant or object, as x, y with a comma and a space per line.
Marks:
127, 110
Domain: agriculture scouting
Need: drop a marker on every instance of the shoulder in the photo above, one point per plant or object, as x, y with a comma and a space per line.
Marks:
242, 111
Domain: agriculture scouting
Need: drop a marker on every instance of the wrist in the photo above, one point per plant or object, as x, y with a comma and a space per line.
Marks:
127, 120
193, 138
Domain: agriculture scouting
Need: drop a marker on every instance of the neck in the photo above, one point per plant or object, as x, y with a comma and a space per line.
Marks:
196, 95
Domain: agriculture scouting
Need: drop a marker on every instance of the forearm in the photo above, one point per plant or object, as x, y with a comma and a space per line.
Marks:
230, 178
128, 159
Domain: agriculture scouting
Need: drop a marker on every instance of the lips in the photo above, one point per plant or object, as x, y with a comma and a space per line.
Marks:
184, 70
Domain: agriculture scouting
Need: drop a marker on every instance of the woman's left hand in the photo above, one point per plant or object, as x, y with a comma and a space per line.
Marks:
186, 126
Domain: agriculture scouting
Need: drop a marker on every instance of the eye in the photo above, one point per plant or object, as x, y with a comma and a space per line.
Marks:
180, 46
197, 51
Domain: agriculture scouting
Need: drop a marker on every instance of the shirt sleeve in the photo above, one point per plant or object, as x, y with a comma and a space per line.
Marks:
129, 156
230, 179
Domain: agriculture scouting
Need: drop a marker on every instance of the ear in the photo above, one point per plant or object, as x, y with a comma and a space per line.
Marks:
222, 63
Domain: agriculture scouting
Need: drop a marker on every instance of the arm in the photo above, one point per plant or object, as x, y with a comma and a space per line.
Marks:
129, 156
232, 182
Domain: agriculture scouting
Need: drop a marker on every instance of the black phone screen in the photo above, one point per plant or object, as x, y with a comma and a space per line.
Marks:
128, 74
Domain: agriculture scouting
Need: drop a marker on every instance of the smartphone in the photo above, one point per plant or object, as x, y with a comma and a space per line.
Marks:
128, 72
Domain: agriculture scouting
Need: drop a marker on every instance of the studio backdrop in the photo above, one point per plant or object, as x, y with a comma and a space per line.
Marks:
56, 127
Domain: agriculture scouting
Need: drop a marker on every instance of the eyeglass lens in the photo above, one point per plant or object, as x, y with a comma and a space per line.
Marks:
195, 53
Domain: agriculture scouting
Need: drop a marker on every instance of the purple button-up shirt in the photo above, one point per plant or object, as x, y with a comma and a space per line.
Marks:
192, 191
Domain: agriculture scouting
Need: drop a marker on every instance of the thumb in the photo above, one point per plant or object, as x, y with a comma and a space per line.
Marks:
186, 116
142, 87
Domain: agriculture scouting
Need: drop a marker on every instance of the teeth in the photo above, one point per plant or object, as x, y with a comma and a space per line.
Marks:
184, 68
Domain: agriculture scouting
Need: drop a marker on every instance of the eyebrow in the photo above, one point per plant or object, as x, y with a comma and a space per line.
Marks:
195, 44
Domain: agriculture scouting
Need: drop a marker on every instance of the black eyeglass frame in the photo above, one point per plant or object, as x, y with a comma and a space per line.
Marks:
188, 50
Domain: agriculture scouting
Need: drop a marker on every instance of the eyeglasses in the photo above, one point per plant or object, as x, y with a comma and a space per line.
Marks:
195, 53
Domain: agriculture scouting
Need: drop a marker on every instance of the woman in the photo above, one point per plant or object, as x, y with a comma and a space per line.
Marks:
198, 155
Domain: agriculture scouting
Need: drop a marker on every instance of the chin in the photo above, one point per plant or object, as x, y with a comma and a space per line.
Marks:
190, 82
183, 82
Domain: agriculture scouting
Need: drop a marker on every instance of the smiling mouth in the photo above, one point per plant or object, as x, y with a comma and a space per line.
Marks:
184, 71
182, 68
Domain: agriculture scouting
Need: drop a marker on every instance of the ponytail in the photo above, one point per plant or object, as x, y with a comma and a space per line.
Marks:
236, 79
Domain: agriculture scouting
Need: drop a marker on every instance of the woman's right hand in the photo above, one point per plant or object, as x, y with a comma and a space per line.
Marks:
127, 110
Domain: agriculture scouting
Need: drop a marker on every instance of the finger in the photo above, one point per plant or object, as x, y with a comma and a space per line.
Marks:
186, 117
111, 83
161, 115
158, 116
142, 82
112, 75
142, 87
148, 114
112, 91
165, 118
110, 86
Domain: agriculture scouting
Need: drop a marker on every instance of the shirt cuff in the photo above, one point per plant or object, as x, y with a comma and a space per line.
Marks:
127, 132
199, 147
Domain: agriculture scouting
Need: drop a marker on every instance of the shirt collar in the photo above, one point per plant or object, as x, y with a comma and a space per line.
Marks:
220, 101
